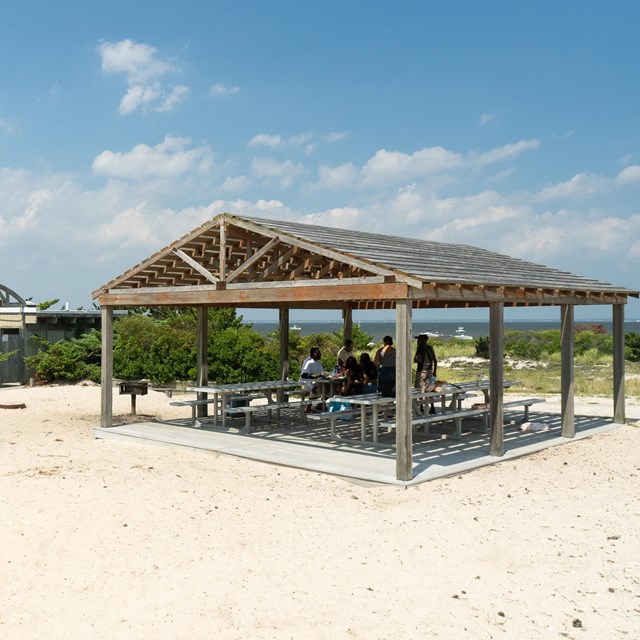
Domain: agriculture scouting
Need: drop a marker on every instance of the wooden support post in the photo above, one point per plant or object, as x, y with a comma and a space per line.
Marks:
347, 323
202, 352
618, 364
284, 348
223, 250
567, 383
106, 377
496, 377
404, 434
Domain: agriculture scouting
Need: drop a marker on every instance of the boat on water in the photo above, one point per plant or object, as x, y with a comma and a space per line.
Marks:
296, 328
461, 335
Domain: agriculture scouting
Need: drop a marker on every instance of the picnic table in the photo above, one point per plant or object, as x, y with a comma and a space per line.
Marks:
223, 393
328, 384
450, 398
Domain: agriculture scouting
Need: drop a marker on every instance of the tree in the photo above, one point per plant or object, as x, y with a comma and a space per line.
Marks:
42, 306
67, 360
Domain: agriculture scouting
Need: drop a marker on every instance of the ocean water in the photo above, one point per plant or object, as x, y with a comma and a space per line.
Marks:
447, 329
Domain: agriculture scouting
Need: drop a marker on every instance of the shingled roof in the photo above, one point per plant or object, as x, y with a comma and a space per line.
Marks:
258, 253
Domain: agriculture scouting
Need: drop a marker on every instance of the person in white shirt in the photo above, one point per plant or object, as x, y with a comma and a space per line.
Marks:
344, 353
311, 368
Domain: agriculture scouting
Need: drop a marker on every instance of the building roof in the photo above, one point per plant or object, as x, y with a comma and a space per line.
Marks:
263, 258
9, 298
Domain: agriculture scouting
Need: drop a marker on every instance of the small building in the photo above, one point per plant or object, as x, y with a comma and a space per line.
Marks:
20, 320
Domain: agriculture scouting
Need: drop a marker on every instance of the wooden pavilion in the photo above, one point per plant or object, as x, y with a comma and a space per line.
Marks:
243, 262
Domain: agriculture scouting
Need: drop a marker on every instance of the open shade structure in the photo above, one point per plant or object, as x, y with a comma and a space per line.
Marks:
244, 262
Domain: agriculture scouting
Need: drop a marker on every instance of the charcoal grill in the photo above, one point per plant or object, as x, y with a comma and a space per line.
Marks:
134, 388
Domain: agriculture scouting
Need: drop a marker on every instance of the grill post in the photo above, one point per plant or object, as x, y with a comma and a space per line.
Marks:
134, 388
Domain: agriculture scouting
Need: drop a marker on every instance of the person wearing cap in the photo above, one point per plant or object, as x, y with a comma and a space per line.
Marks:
427, 367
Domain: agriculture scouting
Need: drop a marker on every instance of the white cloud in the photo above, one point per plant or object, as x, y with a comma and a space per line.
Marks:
485, 118
507, 151
269, 169
144, 70
139, 96
629, 175
141, 207
173, 98
219, 90
265, 140
338, 217
581, 185
484, 215
235, 183
392, 166
130, 227
343, 176
138, 61
336, 136
6, 126
35, 203
169, 159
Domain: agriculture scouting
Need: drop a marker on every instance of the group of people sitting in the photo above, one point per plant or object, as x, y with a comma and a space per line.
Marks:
369, 376
359, 377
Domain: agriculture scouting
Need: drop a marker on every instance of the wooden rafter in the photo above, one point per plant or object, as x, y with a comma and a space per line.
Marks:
253, 259
198, 267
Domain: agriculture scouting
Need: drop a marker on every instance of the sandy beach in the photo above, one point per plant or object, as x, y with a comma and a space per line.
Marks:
105, 539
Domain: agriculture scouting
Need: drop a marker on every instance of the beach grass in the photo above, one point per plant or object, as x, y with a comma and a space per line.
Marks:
593, 372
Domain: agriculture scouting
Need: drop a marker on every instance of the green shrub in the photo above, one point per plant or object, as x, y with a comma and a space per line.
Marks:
632, 347
67, 360
482, 347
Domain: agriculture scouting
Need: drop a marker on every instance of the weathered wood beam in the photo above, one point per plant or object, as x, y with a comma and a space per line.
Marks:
159, 254
253, 259
198, 267
323, 251
618, 364
202, 352
404, 415
567, 385
223, 250
284, 342
455, 292
256, 296
106, 373
496, 378
282, 259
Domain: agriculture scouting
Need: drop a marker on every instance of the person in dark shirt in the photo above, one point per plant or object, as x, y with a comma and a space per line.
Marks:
370, 372
354, 378
427, 367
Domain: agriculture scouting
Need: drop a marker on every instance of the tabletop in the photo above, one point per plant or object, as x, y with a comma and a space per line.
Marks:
240, 387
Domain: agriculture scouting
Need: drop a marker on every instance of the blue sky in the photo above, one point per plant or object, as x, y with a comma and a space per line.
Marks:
502, 124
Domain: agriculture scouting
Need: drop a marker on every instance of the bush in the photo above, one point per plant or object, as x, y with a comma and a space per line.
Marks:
632, 347
67, 360
482, 347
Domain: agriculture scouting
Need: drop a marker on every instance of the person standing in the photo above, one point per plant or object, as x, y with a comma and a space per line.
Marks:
385, 360
427, 367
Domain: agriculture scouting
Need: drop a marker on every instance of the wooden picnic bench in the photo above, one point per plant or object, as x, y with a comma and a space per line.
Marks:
333, 417
526, 403
450, 415
250, 410
195, 403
